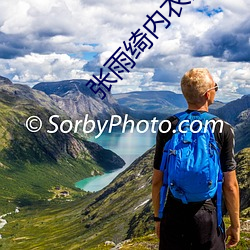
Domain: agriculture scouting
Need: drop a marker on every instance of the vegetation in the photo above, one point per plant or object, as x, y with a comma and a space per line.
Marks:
243, 175
57, 225
118, 213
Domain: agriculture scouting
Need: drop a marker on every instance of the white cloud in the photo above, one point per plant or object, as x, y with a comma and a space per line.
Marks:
46, 40
35, 68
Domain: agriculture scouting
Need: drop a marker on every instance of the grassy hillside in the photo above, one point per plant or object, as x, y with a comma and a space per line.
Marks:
51, 225
122, 213
84, 222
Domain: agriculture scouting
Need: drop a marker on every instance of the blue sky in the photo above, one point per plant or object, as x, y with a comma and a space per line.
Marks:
64, 39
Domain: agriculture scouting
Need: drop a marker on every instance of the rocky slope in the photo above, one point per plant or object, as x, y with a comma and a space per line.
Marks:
237, 114
243, 175
76, 99
4, 80
242, 130
232, 110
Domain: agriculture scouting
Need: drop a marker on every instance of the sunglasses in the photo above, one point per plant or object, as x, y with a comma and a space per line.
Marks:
216, 87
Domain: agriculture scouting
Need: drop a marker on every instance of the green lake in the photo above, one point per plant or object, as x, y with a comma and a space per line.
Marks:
129, 146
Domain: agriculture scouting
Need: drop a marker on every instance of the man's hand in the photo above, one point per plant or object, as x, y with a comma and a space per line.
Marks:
232, 236
157, 228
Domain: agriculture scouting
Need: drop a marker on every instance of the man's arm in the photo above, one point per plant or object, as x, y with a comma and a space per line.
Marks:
156, 187
231, 195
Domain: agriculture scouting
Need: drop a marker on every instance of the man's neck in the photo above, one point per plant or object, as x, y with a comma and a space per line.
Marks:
198, 107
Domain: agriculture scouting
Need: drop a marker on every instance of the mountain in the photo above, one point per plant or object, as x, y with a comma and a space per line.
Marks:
157, 103
237, 114
216, 105
124, 208
77, 100
232, 110
32, 163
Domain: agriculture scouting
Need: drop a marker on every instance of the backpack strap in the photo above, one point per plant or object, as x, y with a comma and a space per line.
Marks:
208, 116
219, 200
164, 188
164, 169
182, 115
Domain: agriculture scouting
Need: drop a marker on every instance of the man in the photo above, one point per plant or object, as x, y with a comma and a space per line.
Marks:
194, 225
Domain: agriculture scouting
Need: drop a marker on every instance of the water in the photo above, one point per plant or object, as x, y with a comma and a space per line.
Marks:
129, 146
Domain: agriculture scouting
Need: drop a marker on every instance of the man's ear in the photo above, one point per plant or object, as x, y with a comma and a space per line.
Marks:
207, 95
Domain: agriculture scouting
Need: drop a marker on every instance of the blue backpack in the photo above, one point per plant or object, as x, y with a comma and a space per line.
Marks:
191, 162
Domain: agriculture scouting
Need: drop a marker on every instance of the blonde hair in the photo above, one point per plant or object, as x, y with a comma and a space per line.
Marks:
195, 83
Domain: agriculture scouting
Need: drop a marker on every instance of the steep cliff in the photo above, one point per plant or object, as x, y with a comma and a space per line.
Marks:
76, 99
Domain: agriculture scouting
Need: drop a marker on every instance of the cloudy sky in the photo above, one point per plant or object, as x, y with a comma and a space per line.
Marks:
53, 40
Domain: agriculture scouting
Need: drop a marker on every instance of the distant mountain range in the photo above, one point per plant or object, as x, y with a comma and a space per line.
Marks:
76, 100
152, 100
73, 97
155, 103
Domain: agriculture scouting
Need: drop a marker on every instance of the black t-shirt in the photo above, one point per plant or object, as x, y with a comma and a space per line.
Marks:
225, 141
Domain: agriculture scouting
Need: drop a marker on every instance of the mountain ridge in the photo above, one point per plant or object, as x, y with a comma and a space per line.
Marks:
77, 100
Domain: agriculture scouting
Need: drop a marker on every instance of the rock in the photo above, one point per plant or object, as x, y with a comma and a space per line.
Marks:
4, 80
109, 243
